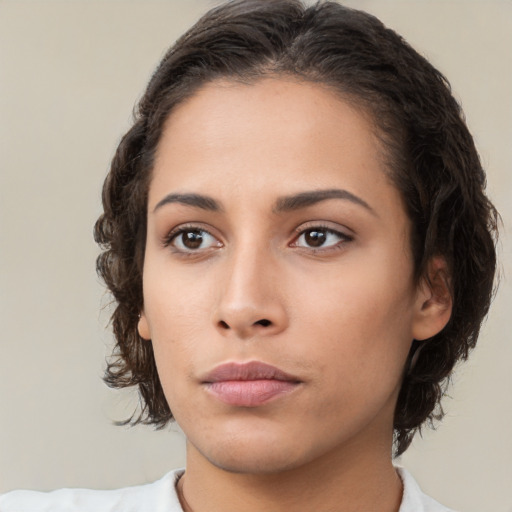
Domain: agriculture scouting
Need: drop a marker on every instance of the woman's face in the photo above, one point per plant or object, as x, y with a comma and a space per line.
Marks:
275, 238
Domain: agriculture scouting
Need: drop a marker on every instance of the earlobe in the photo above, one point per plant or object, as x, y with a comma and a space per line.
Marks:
434, 301
143, 327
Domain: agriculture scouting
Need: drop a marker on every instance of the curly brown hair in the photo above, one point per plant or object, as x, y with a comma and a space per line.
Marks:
431, 158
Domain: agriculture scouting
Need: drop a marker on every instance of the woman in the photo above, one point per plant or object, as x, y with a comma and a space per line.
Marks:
296, 233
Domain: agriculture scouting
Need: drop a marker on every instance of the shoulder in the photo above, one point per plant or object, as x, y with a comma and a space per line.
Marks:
414, 500
159, 496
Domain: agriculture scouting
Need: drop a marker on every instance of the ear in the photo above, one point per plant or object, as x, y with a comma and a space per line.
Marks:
143, 327
434, 301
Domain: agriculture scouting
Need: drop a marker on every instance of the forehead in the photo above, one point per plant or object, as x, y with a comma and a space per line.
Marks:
236, 113
279, 135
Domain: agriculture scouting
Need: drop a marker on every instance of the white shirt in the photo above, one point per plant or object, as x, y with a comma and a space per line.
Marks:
159, 496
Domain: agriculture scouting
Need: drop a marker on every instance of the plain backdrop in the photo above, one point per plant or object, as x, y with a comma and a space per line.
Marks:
70, 73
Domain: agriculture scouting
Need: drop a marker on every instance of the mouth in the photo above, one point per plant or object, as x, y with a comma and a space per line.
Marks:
249, 384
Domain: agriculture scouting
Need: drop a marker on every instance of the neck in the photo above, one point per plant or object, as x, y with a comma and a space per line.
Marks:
352, 480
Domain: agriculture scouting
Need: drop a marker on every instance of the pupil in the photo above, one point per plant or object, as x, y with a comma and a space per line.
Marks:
192, 239
315, 238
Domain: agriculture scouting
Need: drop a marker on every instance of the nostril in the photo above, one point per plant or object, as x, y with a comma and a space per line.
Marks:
264, 322
223, 324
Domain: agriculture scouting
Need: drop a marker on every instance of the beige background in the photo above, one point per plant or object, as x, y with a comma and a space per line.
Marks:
70, 73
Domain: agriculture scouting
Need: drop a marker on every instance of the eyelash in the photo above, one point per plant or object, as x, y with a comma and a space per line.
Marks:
181, 230
344, 238
169, 240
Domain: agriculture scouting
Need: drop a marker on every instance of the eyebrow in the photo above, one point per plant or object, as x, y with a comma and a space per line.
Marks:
196, 200
305, 199
283, 204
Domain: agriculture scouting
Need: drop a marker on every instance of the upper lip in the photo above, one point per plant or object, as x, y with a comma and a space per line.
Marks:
253, 370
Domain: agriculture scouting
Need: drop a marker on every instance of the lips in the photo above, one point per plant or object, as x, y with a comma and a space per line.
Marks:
249, 384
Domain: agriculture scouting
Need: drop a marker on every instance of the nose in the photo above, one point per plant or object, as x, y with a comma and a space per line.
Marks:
251, 302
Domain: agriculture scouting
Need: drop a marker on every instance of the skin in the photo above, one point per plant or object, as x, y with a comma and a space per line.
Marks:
339, 316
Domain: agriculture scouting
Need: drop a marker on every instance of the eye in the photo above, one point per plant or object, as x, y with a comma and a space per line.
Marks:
320, 238
192, 240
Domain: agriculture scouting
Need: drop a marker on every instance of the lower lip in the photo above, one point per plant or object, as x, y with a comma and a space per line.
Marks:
250, 393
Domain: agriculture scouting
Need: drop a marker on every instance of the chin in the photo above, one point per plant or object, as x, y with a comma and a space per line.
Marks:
258, 452
254, 463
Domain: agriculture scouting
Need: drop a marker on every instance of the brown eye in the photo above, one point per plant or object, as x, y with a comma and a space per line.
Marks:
315, 237
321, 238
188, 240
192, 239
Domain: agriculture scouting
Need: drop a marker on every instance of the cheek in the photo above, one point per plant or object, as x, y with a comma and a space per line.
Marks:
360, 348
359, 317
175, 303
358, 302
175, 314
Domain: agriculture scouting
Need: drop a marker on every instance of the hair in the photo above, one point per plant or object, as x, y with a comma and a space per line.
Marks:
430, 156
